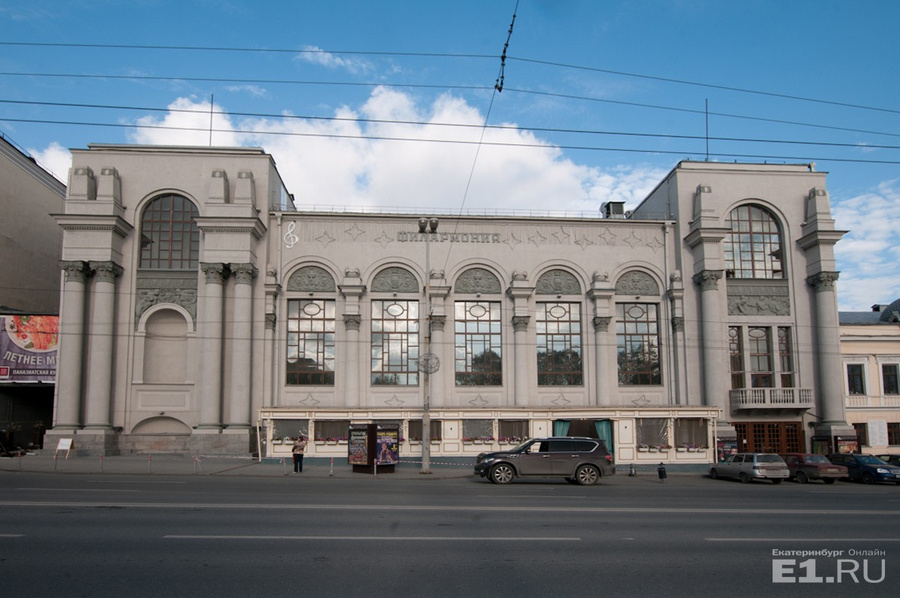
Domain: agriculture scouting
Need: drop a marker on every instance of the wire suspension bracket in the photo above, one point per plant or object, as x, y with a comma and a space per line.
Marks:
498, 84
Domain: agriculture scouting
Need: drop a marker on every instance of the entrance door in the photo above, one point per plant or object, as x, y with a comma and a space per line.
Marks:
770, 437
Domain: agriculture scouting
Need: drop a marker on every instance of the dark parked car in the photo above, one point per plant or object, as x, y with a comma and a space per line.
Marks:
805, 467
866, 468
578, 460
890, 459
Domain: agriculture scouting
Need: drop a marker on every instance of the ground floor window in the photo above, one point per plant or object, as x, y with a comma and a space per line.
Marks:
691, 433
512, 430
415, 429
478, 429
332, 429
652, 432
289, 429
862, 434
893, 429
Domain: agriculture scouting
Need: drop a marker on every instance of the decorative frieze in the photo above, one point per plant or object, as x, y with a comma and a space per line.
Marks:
636, 283
478, 280
395, 280
311, 279
557, 282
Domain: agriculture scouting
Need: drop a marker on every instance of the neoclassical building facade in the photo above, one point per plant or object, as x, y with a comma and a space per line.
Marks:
203, 312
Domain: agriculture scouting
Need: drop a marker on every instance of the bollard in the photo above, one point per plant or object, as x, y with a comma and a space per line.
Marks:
101, 463
661, 471
149, 463
632, 471
331, 471
197, 467
283, 466
55, 461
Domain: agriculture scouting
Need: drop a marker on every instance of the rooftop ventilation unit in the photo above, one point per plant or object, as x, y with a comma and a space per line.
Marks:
613, 209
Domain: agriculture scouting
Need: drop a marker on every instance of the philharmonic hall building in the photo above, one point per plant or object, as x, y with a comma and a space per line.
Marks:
203, 312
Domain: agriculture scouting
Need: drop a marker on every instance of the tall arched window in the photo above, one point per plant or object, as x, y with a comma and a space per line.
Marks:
753, 246
170, 238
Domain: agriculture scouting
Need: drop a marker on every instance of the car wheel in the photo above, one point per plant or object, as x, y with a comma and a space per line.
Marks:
714, 474
776, 481
868, 478
502, 473
744, 478
801, 477
587, 475
829, 480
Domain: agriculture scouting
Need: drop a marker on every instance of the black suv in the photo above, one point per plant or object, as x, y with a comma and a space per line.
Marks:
579, 460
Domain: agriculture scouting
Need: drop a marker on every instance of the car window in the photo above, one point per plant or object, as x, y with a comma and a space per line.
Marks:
583, 446
737, 459
545, 446
768, 459
560, 446
791, 459
817, 459
869, 460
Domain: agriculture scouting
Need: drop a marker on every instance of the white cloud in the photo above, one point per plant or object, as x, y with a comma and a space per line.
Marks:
254, 90
349, 162
54, 158
869, 254
316, 55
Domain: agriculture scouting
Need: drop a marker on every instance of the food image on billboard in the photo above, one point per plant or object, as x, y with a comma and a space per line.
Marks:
28, 345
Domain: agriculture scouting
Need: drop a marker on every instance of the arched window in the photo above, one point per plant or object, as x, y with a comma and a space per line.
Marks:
753, 246
170, 238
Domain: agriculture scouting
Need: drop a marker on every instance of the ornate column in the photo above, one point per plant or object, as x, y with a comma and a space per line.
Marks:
607, 374
828, 356
242, 330
71, 347
210, 319
715, 363
522, 354
351, 377
101, 337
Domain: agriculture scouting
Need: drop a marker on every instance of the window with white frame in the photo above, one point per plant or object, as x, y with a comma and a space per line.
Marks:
310, 341
637, 344
558, 332
856, 378
890, 378
753, 245
652, 432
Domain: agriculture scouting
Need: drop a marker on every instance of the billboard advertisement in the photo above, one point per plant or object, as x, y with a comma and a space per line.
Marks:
28, 348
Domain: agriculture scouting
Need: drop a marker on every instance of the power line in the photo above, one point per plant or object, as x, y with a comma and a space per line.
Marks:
450, 125
455, 87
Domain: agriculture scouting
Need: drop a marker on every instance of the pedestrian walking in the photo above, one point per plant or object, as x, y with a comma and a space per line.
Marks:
298, 449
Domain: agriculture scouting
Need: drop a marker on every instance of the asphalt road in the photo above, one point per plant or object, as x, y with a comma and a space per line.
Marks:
132, 535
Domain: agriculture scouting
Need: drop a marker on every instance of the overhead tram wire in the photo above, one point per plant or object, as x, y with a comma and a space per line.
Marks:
449, 55
453, 125
205, 129
454, 87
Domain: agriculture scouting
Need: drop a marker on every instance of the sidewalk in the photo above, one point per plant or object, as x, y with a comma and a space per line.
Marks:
313, 467
168, 464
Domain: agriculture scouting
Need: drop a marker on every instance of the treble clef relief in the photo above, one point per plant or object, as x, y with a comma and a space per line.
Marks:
290, 239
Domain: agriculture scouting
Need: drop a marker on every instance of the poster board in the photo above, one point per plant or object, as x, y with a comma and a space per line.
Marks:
65, 444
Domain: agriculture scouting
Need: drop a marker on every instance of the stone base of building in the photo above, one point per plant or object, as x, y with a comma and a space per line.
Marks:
109, 443
86, 443
237, 442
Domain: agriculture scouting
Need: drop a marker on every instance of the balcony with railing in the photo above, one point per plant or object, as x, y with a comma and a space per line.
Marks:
857, 400
772, 398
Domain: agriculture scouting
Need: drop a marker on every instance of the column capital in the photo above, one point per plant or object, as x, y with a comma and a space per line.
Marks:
270, 321
708, 280
520, 323
244, 273
76, 271
352, 321
823, 281
677, 324
601, 323
437, 323
106, 271
215, 273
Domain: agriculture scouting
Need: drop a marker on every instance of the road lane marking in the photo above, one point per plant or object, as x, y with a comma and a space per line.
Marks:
104, 490
861, 540
805, 512
12, 535
375, 538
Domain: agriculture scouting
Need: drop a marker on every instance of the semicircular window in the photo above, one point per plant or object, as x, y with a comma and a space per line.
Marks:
170, 238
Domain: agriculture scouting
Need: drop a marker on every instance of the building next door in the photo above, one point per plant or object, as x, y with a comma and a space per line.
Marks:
770, 437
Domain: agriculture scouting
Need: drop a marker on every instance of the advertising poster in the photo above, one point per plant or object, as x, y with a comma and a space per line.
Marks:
357, 446
388, 446
28, 348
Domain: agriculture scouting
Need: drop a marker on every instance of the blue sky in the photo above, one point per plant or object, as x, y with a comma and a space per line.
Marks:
600, 98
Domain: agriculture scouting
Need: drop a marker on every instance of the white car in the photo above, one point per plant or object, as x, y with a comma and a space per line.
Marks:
752, 466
